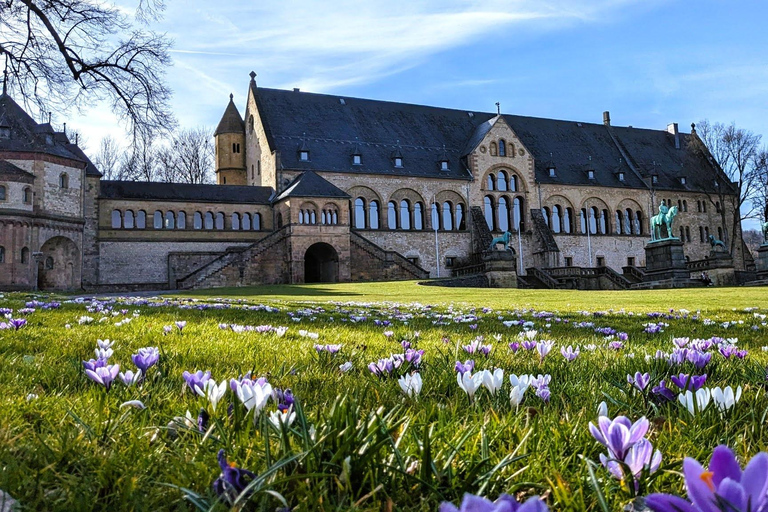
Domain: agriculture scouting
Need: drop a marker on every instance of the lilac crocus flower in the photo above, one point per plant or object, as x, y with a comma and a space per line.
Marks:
284, 399
698, 358
639, 456
382, 367
514, 347
92, 364
129, 378
544, 347
17, 323
722, 487
569, 353
232, 481
623, 336
616, 345
529, 344
197, 379
639, 380
505, 503
104, 375
146, 358
692, 382
663, 393
414, 356
618, 434
467, 366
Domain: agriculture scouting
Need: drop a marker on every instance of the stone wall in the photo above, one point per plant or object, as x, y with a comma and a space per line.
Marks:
181, 264
16, 233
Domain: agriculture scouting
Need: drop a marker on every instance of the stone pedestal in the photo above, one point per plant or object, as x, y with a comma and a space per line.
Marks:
762, 261
500, 269
665, 259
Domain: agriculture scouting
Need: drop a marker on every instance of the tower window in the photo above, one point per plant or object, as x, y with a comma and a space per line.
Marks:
2, 193
443, 165
682, 180
621, 176
235, 147
398, 162
591, 174
357, 160
654, 179
551, 172
27, 195
304, 156
64, 180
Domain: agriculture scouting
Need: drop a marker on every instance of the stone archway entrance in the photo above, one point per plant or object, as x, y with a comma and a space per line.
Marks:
321, 264
59, 265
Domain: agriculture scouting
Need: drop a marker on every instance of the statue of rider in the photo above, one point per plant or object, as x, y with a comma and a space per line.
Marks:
663, 209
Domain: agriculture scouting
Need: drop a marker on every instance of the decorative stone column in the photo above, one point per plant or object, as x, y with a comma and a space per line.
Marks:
665, 259
500, 269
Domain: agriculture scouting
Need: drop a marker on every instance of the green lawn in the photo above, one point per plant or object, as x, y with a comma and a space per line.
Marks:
357, 442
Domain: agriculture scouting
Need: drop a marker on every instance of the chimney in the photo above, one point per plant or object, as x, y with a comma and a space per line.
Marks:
607, 118
672, 128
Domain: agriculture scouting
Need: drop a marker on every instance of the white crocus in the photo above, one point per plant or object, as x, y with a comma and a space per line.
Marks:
516, 394
410, 384
493, 380
725, 398
286, 417
253, 395
344, 368
602, 409
470, 383
212, 391
522, 381
138, 404
695, 403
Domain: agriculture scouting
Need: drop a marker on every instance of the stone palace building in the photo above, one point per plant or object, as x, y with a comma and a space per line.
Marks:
326, 188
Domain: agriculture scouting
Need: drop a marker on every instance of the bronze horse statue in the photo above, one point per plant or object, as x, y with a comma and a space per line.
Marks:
663, 219
765, 231
714, 242
503, 239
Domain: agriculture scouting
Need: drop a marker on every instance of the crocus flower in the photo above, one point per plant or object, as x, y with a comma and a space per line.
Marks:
543, 393
180, 325
516, 394
663, 393
232, 481
382, 367
343, 368
410, 384
691, 382
569, 353
529, 344
467, 366
505, 503
514, 347
146, 358
722, 487
493, 380
695, 402
331, 349
252, 394
137, 404
196, 379
92, 364
282, 417
544, 347
639, 380
725, 398
104, 375
639, 456
17, 323
129, 378
618, 434
212, 391
470, 383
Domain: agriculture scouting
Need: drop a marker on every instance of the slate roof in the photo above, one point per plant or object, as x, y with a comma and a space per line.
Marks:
30, 136
231, 121
11, 172
160, 191
330, 126
309, 184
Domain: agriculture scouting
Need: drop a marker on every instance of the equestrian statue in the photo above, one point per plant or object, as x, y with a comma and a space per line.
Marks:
765, 232
503, 239
665, 217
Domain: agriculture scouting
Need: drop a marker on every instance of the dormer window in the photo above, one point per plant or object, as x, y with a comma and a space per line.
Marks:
444, 165
49, 139
621, 176
304, 156
357, 160
552, 172
655, 179
683, 181
591, 174
5, 132
398, 161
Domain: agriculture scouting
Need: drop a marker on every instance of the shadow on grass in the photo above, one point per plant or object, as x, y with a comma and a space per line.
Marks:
274, 291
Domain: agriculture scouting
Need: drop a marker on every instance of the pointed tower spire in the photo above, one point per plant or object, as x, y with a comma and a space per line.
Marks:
5, 76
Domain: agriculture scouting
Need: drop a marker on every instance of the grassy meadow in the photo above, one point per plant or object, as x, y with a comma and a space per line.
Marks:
355, 441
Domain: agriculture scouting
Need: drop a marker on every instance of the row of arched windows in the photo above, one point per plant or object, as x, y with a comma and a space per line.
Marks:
704, 234
559, 219
328, 215
24, 254
26, 194
502, 182
405, 215
503, 213
502, 148
178, 220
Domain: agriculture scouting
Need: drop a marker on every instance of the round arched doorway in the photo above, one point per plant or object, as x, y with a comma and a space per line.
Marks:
321, 264
59, 265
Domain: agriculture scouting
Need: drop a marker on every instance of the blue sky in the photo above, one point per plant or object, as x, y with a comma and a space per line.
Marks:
649, 62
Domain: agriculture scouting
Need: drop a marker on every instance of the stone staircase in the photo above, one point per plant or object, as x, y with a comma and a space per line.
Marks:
207, 273
391, 260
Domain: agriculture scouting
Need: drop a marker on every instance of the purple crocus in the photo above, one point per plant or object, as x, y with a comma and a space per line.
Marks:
639, 456
618, 434
465, 367
92, 364
284, 399
569, 353
698, 358
505, 503
723, 486
639, 380
146, 358
180, 324
689, 382
232, 481
382, 367
17, 323
529, 344
104, 375
197, 379
663, 393
616, 345
514, 347
414, 356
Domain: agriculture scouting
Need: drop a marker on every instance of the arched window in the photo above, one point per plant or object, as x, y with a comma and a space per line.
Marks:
128, 220
359, 213
181, 220
116, 219
706, 233
235, 221
460, 217
197, 220
501, 183
628, 221
687, 233
680, 205
717, 206
447, 216
312, 217
685, 205
604, 226
701, 234
219, 220
3, 193
418, 216
557, 219
493, 149
208, 220
503, 214
435, 216
63, 180
704, 206
141, 219
594, 217
682, 234
502, 148
301, 217
279, 220
547, 216
698, 206
568, 220
245, 223
322, 217
170, 220
24, 255
49, 263
405, 214
373, 215
617, 221
513, 183
489, 213
157, 221
719, 232
27, 195
334, 217
392, 215
491, 182
583, 219
518, 218
638, 222
257, 222
2, 254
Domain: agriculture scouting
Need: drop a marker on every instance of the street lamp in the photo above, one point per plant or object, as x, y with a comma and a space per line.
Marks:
588, 228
